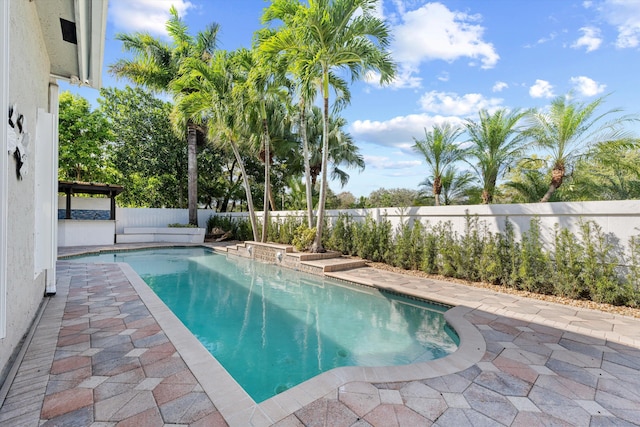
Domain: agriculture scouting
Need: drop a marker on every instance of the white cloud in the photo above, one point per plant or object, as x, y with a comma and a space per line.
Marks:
499, 86
434, 32
625, 16
399, 131
404, 78
144, 15
590, 39
586, 86
383, 162
541, 89
452, 104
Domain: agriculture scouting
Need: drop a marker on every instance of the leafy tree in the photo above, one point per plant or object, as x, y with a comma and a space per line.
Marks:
157, 65
440, 151
150, 159
347, 200
495, 144
330, 35
83, 136
569, 129
394, 197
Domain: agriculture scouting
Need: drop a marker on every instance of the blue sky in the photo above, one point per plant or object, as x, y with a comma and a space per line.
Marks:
454, 57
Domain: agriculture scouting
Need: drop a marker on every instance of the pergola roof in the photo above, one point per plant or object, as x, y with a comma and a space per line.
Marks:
76, 187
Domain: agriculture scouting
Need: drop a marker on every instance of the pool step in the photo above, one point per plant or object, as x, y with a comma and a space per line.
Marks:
285, 255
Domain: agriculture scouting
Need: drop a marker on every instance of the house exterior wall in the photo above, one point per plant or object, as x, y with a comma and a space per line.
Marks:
28, 80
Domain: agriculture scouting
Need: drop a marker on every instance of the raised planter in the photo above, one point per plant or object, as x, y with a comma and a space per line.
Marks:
161, 235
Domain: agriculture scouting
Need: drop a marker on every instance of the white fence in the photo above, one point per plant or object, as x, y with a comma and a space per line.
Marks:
618, 219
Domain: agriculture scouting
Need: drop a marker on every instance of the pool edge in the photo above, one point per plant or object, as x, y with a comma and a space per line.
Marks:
238, 408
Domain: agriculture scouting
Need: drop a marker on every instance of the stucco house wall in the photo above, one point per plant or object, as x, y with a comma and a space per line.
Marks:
28, 81
34, 55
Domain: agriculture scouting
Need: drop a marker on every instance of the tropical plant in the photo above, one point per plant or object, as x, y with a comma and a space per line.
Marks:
330, 35
213, 96
342, 150
569, 129
157, 64
495, 144
440, 151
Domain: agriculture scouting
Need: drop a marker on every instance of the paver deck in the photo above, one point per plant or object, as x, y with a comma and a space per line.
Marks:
102, 356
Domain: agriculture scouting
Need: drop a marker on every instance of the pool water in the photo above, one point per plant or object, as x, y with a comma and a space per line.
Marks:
273, 328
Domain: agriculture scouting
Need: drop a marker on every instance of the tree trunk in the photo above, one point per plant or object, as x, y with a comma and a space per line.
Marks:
307, 167
247, 189
267, 178
557, 176
317, 245
437, 189
192, 173
486, 197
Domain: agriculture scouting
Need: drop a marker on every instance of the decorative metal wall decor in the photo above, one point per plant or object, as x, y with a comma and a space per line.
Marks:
18, 140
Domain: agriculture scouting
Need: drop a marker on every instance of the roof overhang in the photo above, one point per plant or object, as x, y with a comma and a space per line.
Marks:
76, 187
74, 33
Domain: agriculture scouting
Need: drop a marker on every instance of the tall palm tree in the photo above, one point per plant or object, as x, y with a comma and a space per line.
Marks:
496, 143
213, 96
307, 82
569, 129
157, 64
440, 151
330, 35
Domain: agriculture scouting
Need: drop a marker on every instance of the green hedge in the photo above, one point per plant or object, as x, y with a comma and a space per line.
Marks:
583, 266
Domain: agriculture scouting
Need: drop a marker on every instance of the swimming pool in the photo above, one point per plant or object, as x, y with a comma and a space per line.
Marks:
272, 328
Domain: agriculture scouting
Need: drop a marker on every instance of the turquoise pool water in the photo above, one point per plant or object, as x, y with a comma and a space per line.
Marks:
273, 328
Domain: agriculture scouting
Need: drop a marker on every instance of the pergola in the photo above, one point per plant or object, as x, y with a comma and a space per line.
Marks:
75, 187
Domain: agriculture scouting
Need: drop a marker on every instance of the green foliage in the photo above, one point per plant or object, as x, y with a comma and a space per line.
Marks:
372, 239
179, 225
584, 266
567, 263
83, 137
599, 266
341, 238
535, 268
284, 231
407, 246
240, 227
151, 161
304, 237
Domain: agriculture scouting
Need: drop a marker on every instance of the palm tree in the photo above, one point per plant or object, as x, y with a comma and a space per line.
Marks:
308, 81
342, 150
330, 35
214, 96
495, 144
440, 151
455, 186
569, 129
157, 64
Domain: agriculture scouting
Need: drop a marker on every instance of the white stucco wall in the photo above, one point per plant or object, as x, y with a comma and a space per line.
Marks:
85, 232
28, 88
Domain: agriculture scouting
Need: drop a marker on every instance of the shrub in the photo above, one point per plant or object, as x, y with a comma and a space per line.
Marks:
240, 227
534, 267
407, 246
303, 237
567, 264
341, 237
178, 225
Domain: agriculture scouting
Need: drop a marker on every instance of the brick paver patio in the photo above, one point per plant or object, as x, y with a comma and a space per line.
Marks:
98, 357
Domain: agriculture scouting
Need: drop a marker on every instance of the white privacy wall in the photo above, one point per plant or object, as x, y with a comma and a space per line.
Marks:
619, 219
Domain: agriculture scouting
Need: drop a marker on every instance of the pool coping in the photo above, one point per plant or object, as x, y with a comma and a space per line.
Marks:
239, 409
